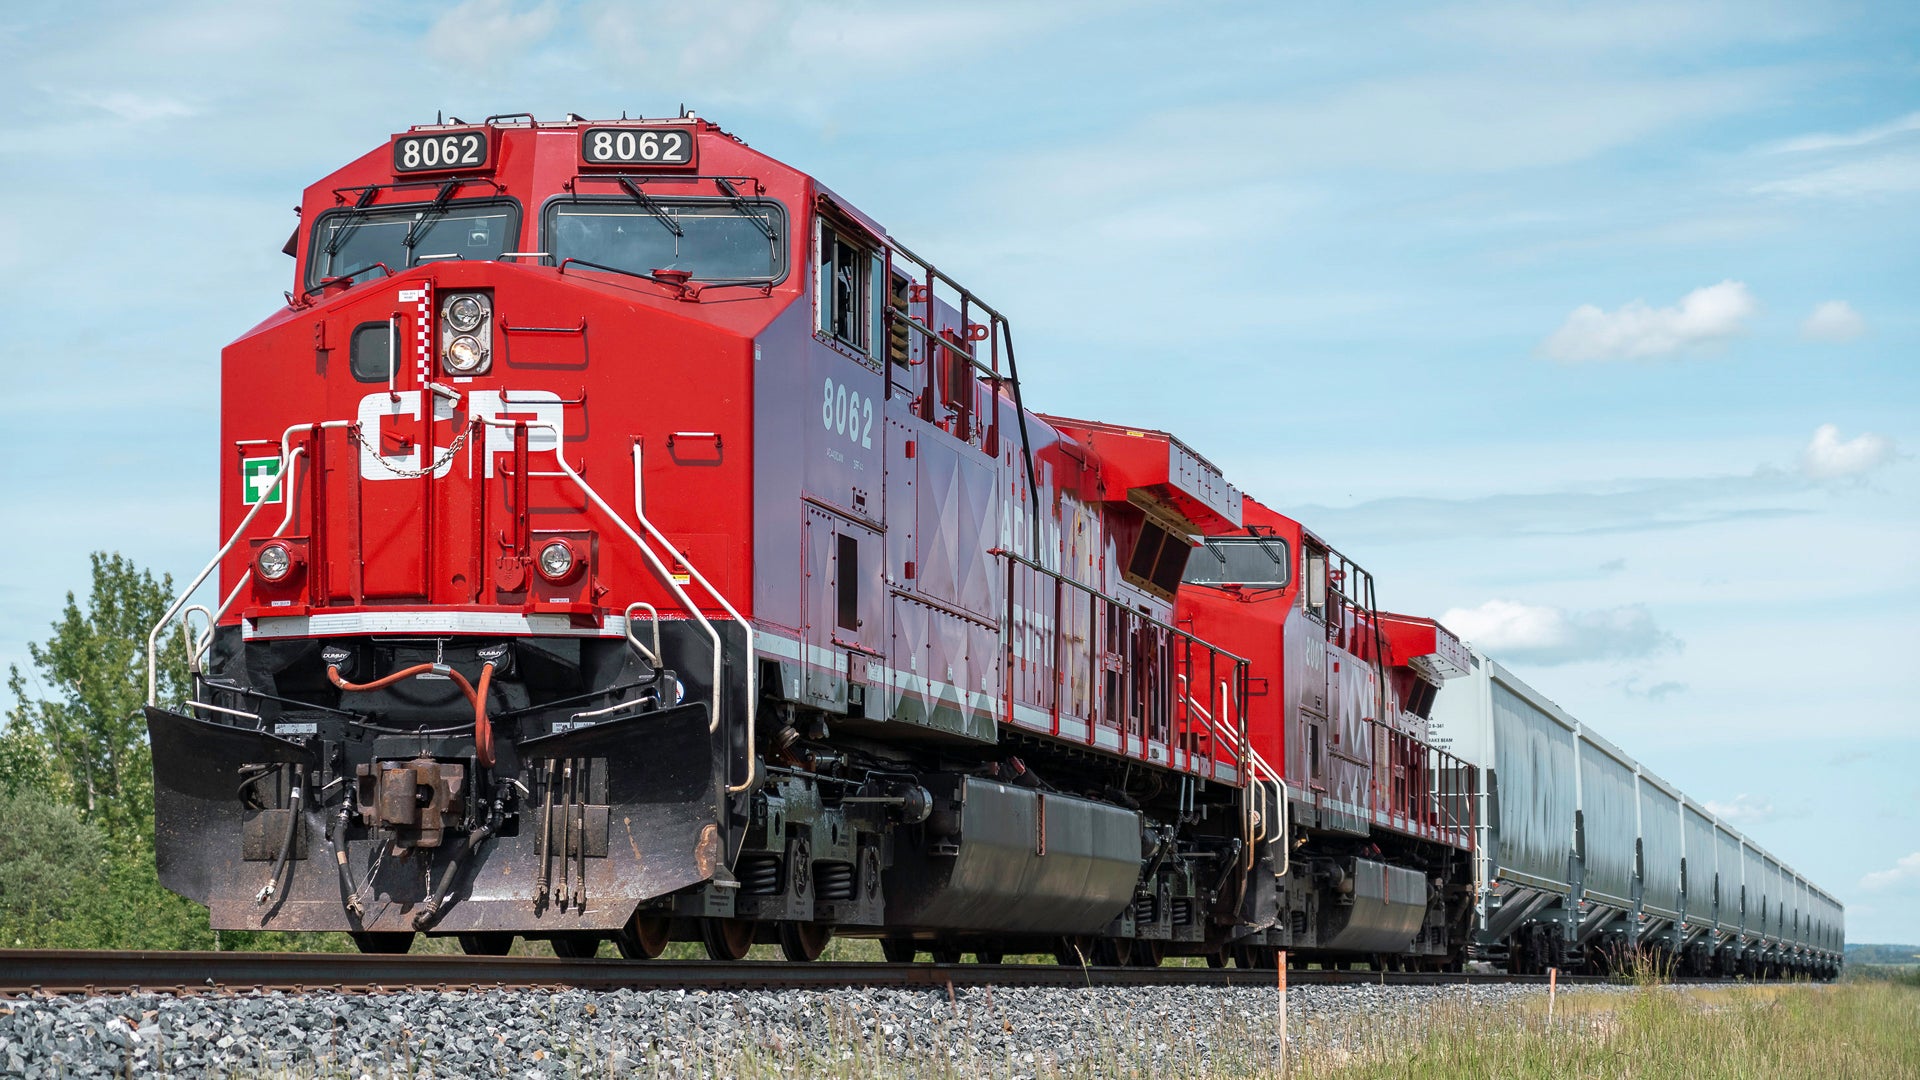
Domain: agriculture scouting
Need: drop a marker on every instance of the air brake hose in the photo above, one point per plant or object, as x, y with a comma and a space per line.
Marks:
333, 673
482, 724
299, 777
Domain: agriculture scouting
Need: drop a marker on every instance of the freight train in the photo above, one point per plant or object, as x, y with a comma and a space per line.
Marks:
625, 538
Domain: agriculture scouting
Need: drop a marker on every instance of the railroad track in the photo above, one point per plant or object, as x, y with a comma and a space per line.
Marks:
27, 972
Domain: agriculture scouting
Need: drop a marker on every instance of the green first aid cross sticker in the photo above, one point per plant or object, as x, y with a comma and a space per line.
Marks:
260, 480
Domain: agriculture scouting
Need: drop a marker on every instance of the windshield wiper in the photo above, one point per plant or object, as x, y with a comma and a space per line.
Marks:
646, 203
431, 213
688, 289
332, 279
746, 211
353, 221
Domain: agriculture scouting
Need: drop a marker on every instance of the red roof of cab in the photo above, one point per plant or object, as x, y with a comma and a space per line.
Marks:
1410, 638
1138, 463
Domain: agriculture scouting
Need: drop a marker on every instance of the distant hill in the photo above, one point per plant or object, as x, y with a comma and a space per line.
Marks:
1883, 954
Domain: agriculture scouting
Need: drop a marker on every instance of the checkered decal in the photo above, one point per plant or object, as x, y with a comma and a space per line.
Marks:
423, 335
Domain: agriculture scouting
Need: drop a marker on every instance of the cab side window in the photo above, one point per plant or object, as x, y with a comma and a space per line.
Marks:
1314, 597
845, 291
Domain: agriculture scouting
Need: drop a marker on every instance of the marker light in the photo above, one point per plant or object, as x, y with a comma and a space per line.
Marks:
274, 562
556, 560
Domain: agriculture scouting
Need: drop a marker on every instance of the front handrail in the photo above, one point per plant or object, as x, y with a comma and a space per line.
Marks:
666, 576
653, 655
190, 640
288, 454
288, 482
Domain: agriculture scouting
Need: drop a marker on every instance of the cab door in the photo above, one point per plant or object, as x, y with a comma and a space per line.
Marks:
843, 604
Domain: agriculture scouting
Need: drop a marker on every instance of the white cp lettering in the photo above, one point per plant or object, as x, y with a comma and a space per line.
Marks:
381, 412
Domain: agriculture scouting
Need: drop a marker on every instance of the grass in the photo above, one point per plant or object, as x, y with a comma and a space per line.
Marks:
1862, 1028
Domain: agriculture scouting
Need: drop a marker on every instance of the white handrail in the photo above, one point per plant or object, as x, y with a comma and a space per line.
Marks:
659, 568
653, 656
287, 455
188, 638
746, 627
287, 478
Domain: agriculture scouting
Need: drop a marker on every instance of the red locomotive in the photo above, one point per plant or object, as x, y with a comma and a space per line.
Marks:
624, 537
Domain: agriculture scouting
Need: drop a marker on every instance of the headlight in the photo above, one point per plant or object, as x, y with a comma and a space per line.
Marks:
273, 562
556, 560
465, 313
465, 355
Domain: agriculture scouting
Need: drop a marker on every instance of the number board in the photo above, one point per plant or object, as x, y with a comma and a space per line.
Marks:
651, 147
442, 151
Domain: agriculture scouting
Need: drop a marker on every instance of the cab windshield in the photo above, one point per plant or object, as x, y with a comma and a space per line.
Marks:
713, 240
1258, 562
350, 241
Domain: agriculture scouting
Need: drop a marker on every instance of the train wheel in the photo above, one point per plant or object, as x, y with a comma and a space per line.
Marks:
384, 942
1073, 952
803, 942
727, 939
1148, 954
645, 937
1256, 957
1217, 959
944, 953
486, 944
1113, 952
898, 950
576, 946
994, 955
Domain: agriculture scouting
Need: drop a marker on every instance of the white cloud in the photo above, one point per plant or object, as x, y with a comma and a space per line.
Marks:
1567, 31
799, 56
1828, 457
1526, 633
1885, 174
1908, 867
1847, 140
1834, 320
1660, 691
1742, 809
137, 108
482, 36
1703, 317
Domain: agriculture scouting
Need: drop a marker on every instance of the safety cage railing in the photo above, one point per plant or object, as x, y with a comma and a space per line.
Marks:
1075, 654
1419, 788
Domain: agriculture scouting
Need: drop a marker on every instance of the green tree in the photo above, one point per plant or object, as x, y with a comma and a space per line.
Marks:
51, 861
76, 784
84, 726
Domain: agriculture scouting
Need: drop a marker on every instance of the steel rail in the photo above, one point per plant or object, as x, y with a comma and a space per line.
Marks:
25, 972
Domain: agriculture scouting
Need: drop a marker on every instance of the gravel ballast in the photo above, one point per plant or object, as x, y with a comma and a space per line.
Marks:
1014, 1032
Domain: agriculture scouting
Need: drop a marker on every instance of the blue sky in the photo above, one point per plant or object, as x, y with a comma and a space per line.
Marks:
1590, 327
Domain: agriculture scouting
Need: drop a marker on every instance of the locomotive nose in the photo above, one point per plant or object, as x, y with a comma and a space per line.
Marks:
595, 821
